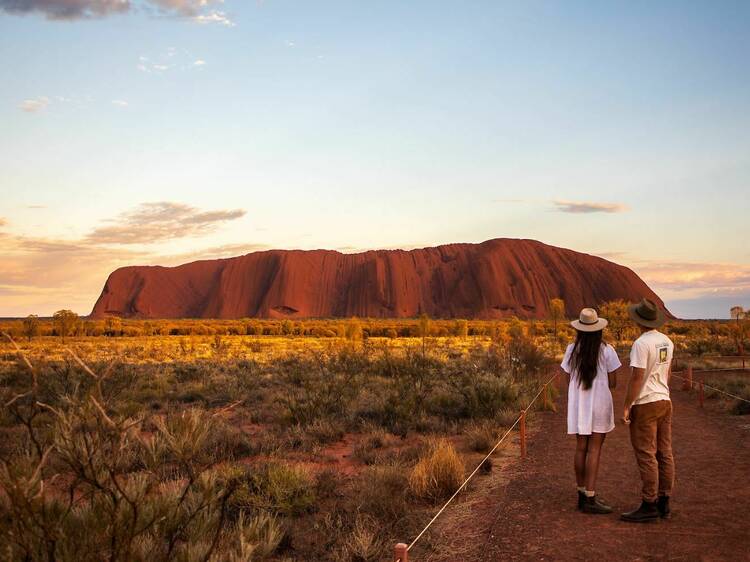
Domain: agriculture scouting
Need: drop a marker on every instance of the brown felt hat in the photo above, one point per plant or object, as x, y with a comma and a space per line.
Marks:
647, 314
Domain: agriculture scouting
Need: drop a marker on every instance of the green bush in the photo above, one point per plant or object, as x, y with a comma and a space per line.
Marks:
277, 488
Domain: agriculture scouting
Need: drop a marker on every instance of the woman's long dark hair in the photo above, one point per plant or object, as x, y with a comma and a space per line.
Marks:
584, 357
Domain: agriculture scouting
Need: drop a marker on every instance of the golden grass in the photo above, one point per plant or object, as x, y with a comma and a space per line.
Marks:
438, 473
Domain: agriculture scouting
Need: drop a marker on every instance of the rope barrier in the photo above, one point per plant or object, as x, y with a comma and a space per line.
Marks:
712, 387
402, 558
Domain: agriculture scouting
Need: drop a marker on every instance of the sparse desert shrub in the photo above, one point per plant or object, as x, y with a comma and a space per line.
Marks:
437, 474
506, 417
482, 436
278, 488
327, 482
368, 449
229, 442
736, 385
312, 390
381, 493
325, 431
363, 544
257, 538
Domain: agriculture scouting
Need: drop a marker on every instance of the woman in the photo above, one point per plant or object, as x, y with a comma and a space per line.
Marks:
592, 367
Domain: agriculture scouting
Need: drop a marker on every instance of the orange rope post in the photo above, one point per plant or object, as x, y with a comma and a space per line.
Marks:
522, 432
401, 553
688, 382
545, 400
700, 392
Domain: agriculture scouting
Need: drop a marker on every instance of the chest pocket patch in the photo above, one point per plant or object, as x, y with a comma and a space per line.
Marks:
663, 354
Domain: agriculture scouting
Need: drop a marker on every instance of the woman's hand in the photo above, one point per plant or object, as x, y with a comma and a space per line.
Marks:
626, 415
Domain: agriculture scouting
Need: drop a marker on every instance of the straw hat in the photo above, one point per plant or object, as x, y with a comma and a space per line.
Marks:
589, 321
647, 314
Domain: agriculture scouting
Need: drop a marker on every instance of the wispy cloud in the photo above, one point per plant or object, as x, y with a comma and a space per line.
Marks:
169, 61
40, 275
693, 276
120, 103
34, 105
156, 222
3, 222
196, 10
214, 17
589, 207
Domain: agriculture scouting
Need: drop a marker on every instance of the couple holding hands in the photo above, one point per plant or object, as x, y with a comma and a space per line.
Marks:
592, 366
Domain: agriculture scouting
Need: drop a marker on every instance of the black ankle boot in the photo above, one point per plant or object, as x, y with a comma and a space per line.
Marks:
594, 505
662, 504
644, 514
581, 500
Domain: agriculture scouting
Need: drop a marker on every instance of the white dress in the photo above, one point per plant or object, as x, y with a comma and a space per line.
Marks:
591, 411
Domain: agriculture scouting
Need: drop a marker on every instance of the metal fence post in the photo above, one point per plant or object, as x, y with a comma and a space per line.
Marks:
401, 553
701, 396
522, 432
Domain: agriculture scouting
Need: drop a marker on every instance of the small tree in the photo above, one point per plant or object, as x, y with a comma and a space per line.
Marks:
737, 313
353, 329
556, 312
616, 313
461, 329
31, 326
424, 330
65, 321
112, 326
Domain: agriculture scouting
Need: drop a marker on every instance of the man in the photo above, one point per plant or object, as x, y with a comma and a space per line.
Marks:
648, 411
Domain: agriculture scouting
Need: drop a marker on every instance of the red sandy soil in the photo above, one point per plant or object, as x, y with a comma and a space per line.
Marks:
494, 279
527, 510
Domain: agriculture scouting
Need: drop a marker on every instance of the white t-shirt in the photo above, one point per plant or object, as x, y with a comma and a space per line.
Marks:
652, 352
591, 411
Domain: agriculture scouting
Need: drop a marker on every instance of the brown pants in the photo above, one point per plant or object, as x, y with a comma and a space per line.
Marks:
651, 436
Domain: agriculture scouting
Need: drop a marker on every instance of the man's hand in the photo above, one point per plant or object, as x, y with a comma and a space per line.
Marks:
626, 415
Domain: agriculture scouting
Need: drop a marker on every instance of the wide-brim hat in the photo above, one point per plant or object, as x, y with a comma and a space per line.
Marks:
647, 314
589, 321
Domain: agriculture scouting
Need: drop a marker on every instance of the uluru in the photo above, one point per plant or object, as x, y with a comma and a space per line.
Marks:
494, 279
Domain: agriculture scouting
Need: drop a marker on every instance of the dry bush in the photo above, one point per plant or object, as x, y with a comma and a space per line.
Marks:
438, 473
368, 450
482, 436
277, 487
87, 483
381, 492
363, 544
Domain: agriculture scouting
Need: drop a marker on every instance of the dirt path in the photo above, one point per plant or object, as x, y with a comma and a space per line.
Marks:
526, 511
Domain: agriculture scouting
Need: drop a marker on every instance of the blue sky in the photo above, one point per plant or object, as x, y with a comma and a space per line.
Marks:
213, 129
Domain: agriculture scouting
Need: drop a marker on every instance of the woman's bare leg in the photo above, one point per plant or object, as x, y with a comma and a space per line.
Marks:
596, 440
582, 444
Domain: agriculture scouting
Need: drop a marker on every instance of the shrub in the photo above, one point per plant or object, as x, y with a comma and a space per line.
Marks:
438, 473
278, 488
381, 493
257, 538
363, 543
481, 437
366, 451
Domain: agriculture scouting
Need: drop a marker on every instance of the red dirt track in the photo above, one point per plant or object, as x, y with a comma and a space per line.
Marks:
527, 510
495, 279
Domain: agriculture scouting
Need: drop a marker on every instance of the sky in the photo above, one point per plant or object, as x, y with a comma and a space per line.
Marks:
165, 131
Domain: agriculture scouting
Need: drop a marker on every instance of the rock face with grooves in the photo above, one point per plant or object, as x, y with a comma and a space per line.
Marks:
494, 279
